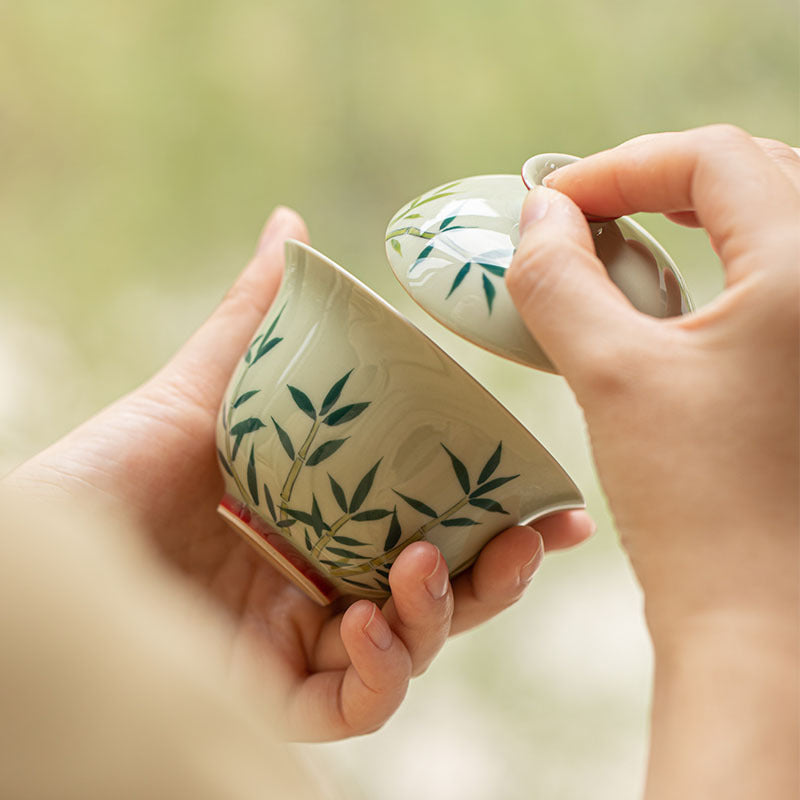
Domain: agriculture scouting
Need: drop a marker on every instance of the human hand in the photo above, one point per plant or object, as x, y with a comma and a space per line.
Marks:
342, 670
693, 420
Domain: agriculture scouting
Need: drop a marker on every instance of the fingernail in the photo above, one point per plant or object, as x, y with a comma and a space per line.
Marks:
527, 570
437, 582
378, 630
535, 207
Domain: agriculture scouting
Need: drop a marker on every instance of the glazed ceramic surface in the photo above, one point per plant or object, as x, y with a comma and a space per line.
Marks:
450, 249
346, 434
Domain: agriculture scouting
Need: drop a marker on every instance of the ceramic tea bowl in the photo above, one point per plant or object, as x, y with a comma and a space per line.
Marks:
450, 249
346, 434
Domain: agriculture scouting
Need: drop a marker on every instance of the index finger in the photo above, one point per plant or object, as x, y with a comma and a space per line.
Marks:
739, 195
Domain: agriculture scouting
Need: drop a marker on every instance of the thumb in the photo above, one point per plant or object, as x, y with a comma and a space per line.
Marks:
562, 290
203, 366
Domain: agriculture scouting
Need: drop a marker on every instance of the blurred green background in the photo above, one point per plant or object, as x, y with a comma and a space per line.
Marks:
143, 144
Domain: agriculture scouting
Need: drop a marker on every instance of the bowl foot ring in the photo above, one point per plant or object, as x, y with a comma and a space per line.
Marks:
281, 553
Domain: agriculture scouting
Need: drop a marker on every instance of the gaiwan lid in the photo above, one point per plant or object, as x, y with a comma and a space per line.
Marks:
451, 246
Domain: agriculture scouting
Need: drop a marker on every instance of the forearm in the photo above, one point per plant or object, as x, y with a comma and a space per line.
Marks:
725, 711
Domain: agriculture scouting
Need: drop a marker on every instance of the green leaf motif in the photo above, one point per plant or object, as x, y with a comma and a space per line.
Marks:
491, 465
349, 541
302, 401
252, 477
324, 451
362, 490
460, 470
487, 504
274, 323
225, 464
285, 440
241, 428
245, 397
333, 394
491, 485
340, 551
424, 253
494, 269
286, 523
489, 291
417, 505
309, 546
370, 516
383, 585
268, 498
300, 516
247, 426
458, 522
344, 414
446, 223
395, 531
249, 354
396, 245
462, 273
338, 493
316, 518
265, 347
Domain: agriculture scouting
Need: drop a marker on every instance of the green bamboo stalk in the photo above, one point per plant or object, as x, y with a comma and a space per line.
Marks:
326, 538
389, 555
297, 465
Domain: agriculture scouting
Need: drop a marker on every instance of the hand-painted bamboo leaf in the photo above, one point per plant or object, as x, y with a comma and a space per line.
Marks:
495, 269
309, 546
396, 246
300, 516
241, 428
249, 353
341, 551
303, 402
460, 470
373, 514
286, 523
489, 291
316, 517
424, 253
395, 531
417, 505
412, 216
274, 323
268, 498
362, 490
344, 414
252, 477
487, 504
445, 223
333, 394
348, 540
338, 493
226, 466
324, 451
285, 440
491, 465
462, 273
383, 585
382, 571
459, 522
491, 485
244, 397
246, 426
265, 347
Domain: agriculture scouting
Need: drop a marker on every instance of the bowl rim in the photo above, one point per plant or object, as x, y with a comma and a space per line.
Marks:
414, 331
